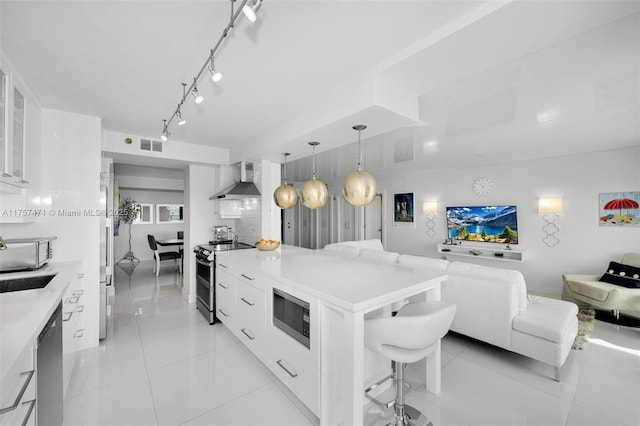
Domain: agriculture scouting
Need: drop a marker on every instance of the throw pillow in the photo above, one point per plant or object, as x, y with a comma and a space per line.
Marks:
622, 275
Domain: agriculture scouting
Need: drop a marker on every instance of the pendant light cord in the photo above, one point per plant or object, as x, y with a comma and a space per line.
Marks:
359, 153
313, 161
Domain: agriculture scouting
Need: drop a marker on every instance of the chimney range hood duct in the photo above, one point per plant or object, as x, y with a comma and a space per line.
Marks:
243, 189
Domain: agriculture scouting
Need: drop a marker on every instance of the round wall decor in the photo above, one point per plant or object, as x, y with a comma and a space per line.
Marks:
482, 186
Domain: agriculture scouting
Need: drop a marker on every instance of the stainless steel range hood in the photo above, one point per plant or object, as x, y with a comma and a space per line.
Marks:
243, 189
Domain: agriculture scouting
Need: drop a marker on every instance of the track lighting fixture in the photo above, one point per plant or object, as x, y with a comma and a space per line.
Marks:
165, 133
215, 75
249, 7
197, 97
250, 10
181, 121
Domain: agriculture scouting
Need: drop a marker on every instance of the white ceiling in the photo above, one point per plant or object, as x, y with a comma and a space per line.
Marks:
474, 76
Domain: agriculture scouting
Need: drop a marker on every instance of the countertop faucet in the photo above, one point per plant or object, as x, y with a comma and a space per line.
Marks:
3, 246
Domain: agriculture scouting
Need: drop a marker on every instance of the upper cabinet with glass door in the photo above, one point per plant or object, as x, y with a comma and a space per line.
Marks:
12, 133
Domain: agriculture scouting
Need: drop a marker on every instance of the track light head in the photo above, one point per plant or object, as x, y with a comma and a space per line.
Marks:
215, 75
165, 132
250, 11
181, 121
197, 97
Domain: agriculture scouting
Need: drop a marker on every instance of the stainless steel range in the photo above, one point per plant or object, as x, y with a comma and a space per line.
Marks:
206, 274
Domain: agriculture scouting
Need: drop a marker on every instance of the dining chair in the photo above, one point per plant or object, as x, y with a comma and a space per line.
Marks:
165, 255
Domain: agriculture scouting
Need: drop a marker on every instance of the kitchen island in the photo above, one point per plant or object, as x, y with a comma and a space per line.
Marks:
327, 373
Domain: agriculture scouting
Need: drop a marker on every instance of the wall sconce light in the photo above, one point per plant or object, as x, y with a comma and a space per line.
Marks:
430, 208
550, 209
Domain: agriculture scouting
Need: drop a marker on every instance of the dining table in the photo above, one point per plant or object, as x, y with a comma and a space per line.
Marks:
170, 242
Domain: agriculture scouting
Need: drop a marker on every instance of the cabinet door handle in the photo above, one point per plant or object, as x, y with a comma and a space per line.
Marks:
12, 407
80, 308
78, 292
81, 275
223, 286
67, 316
32, 404
73, 299
78, 333
279, 362
246, 301
223, 312
247, 334
248, 277
222, 266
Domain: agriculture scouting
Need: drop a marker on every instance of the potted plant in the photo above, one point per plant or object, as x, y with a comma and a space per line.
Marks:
128, 213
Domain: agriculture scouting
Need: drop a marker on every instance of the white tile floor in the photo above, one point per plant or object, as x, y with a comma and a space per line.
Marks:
162, 364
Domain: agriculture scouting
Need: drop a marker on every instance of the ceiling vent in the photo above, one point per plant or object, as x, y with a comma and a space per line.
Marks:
150, 145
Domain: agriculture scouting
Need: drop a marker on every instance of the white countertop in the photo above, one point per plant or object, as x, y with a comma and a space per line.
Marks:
24, 313
351, 283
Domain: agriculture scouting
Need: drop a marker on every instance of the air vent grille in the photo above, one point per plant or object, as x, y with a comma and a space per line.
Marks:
150, 145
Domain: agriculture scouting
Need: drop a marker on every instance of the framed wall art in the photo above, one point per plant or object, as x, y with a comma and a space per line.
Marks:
403, 209
619, 209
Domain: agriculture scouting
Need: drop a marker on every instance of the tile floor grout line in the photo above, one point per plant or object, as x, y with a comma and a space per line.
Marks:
225, 403
146, 367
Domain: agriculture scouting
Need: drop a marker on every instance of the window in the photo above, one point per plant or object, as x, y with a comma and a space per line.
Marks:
145, 213
169, 213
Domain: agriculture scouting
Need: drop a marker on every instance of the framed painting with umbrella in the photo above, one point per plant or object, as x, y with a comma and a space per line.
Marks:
620, 209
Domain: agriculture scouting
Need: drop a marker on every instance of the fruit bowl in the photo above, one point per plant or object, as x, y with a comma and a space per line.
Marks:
266, 245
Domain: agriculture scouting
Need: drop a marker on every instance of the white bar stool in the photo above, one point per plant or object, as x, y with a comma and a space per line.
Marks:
408, 337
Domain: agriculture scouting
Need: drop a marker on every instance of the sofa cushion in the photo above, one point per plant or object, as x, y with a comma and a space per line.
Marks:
378, 256
423, 262
632, 259
595, 290
546, 318
623, 275
343, 249
373, 243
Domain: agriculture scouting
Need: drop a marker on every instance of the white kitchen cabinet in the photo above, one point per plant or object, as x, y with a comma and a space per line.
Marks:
225, 298
244, 304
18, 391
12, 129
250, 316
73, 326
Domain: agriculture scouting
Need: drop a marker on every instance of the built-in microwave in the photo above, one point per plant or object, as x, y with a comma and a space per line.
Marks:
291, 315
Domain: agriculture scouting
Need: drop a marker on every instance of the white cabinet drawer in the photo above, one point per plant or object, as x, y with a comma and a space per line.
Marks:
225, 297
18, 388
250, 317
296, 369
251, 279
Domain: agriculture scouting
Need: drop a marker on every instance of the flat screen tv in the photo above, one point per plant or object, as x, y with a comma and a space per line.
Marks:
485, 224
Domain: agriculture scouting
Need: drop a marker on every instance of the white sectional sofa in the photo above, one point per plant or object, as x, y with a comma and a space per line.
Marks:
493, 305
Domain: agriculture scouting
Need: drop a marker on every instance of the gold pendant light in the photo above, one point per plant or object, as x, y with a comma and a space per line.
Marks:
314, 193
359, 188
285, 195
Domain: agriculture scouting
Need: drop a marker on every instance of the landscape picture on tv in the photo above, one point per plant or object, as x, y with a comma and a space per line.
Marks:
488, 224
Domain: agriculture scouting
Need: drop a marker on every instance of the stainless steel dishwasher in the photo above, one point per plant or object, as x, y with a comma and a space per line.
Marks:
49, 372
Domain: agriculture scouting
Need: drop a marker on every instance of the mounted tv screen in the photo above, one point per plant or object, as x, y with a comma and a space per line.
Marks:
485, 224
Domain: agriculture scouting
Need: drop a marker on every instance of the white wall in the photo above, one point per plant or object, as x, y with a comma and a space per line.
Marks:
200, 183
139, 231
585, 247
114, 143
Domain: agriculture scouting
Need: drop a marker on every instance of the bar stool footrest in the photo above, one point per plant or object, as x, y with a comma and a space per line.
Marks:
381, 404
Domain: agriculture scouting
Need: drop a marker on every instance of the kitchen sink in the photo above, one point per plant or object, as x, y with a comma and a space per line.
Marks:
25, 283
